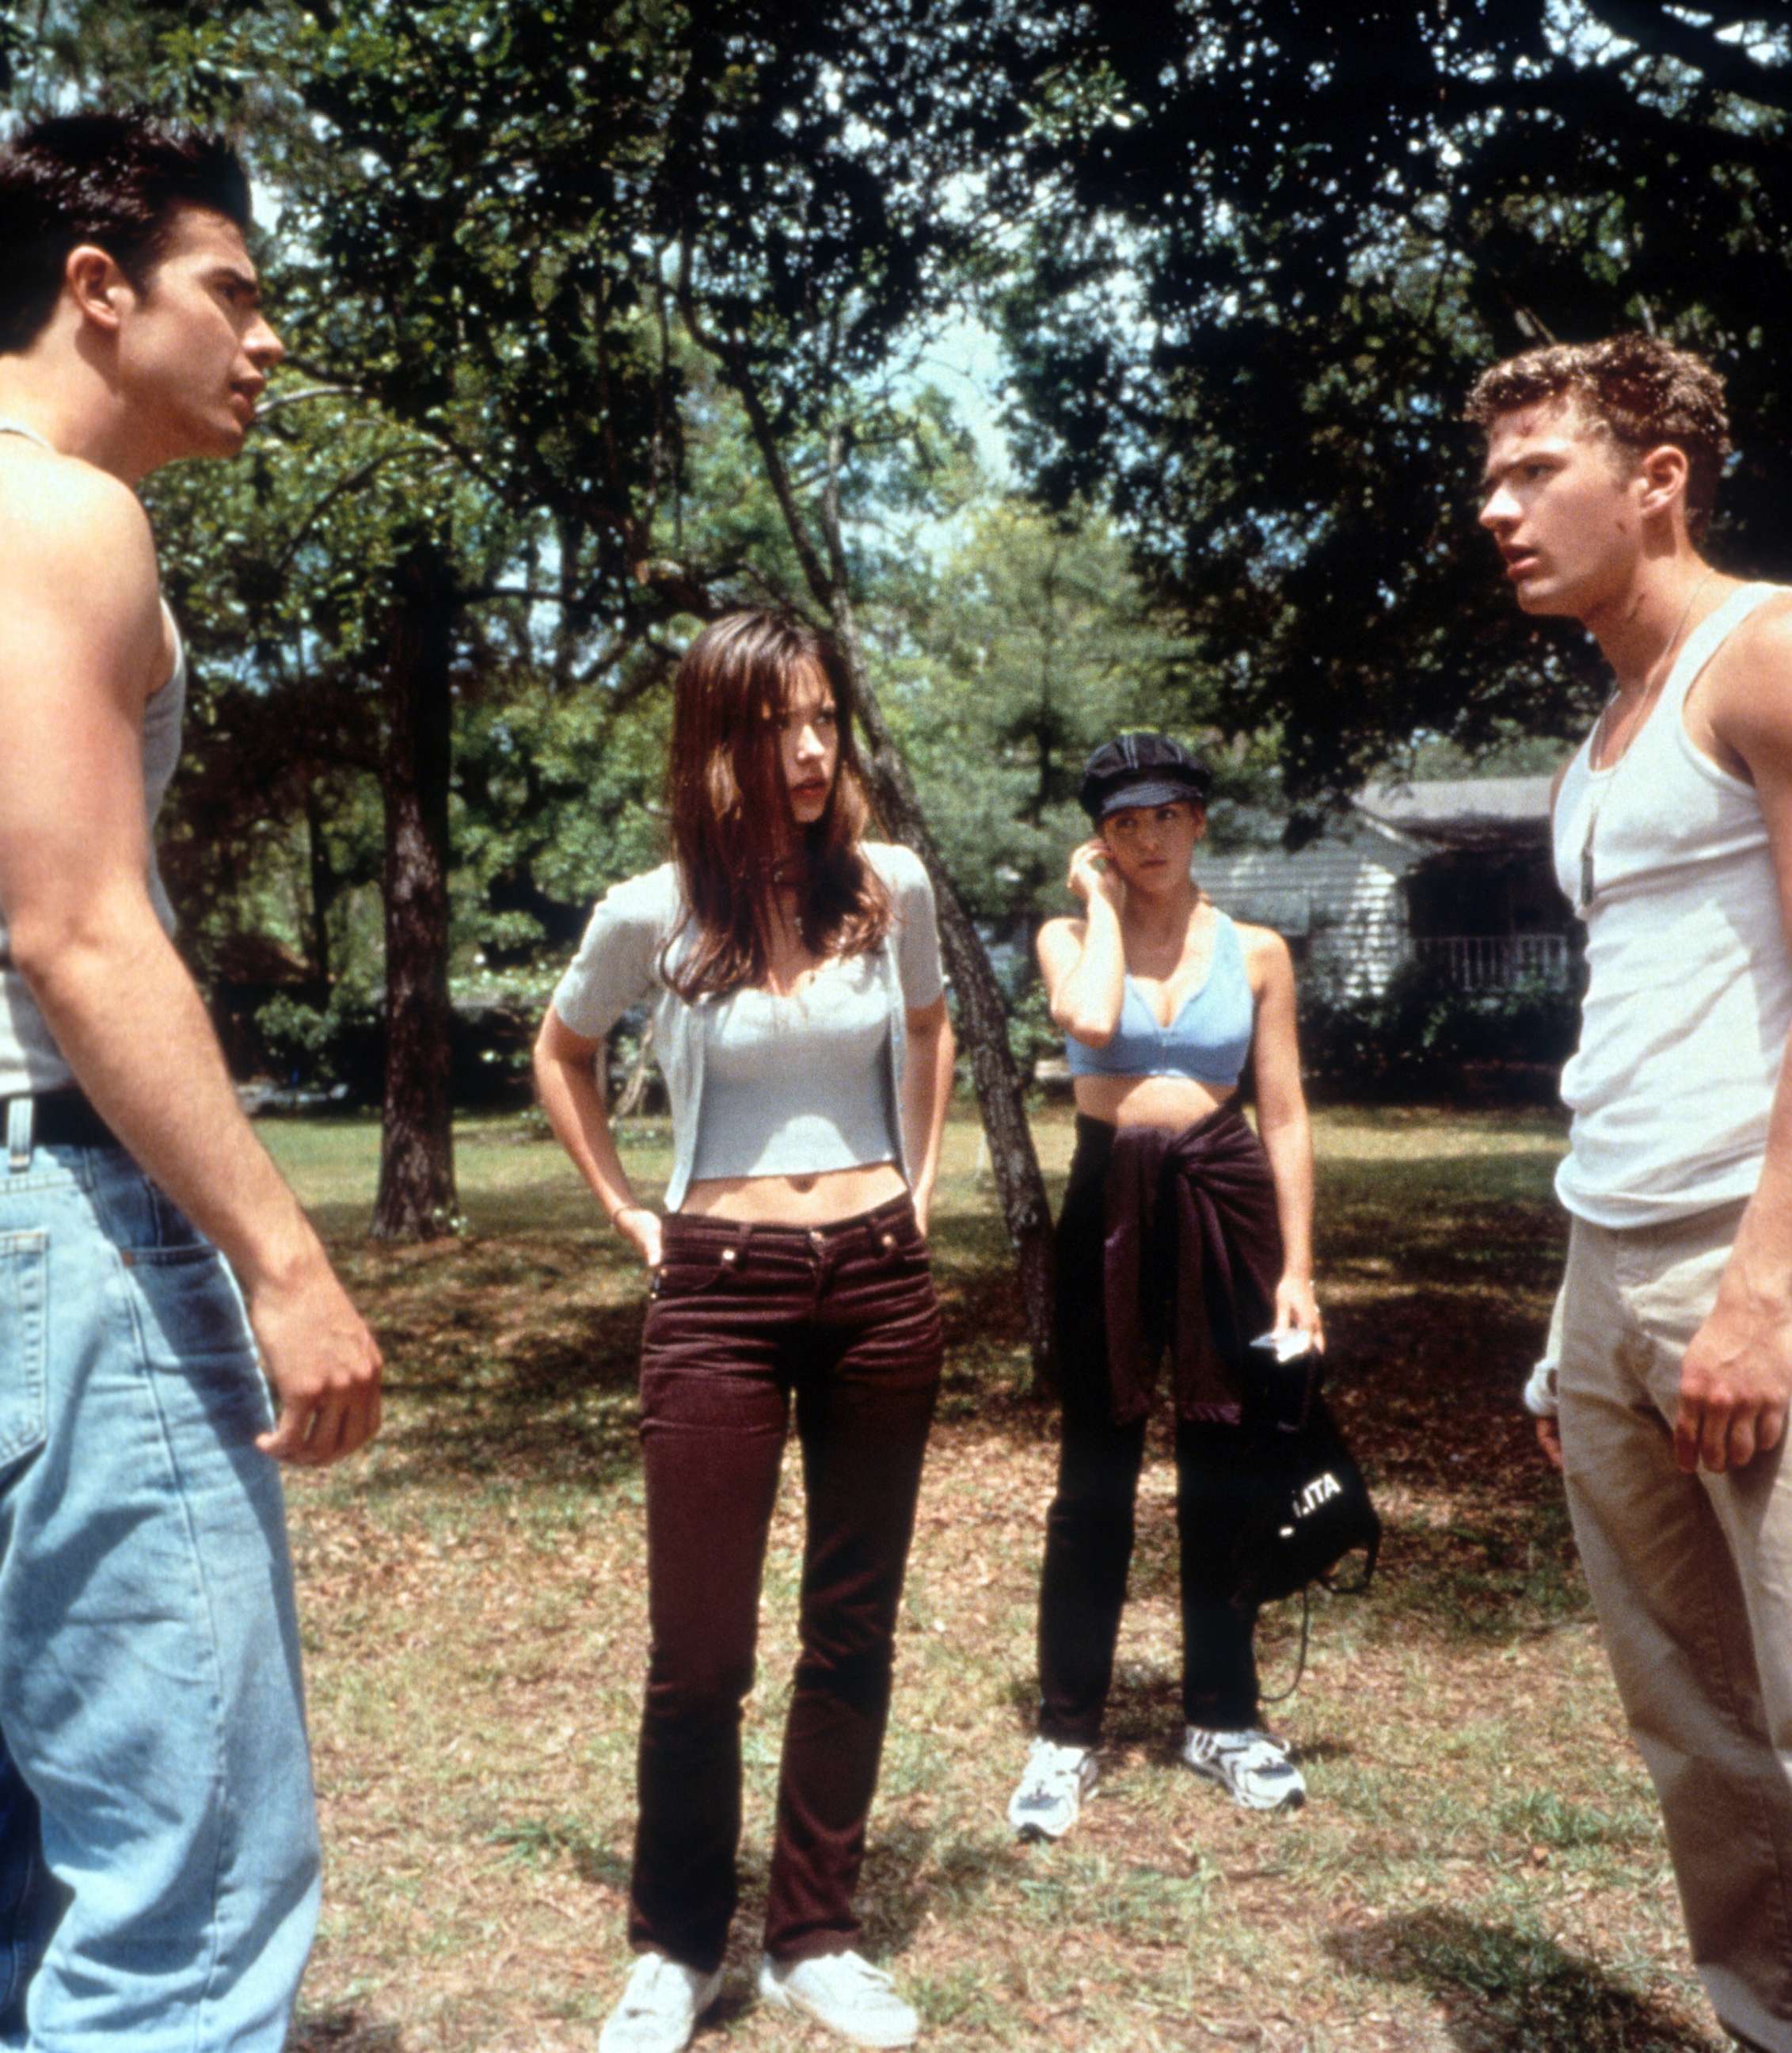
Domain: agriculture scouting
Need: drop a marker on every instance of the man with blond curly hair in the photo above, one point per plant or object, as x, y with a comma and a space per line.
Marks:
1666, 1404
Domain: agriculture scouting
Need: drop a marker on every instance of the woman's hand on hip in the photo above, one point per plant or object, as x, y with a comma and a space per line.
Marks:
642, 1228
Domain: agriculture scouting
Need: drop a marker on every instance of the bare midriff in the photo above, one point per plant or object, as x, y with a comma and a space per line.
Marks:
820, 1199
1169, 1102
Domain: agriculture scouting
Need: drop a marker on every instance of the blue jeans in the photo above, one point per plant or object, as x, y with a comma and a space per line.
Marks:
158, 1857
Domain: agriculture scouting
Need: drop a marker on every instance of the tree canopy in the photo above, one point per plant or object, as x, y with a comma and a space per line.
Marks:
608, 315
1275, 242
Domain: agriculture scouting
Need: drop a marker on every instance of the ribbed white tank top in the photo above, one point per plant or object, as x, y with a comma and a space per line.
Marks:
29, 1059
1689, 992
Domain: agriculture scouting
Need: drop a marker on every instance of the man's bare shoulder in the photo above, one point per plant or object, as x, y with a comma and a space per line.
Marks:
59, 515
77, 570
1748, 696
1765, 636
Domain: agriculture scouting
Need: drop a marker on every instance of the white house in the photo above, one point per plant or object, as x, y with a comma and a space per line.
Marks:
1456, 872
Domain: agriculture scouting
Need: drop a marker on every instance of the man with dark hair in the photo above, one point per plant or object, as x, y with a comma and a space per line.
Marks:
119, 182
158, 1839
1672, 1344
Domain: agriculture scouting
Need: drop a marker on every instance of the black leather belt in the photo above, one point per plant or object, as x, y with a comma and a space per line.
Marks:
64, 1119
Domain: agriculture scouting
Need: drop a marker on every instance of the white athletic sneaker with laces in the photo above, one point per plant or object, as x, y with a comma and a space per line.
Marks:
661, 2002
1053, 1784
844, 1992
1253, 1766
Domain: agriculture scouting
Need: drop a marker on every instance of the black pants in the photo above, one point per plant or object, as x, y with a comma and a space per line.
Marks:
746, 1318
1089, 1528
1088, 1547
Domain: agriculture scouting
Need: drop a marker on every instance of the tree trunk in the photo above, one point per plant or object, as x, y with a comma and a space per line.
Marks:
416, 1196
635, 1089
321, 878
983, 1023
982, 1014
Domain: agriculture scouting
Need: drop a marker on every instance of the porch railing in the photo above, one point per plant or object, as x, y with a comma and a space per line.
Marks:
1496, 962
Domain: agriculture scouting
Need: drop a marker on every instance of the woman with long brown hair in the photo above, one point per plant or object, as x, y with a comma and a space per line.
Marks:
800, 1025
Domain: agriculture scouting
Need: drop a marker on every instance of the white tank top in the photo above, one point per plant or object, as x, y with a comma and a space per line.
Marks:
30, 1062
1689, 990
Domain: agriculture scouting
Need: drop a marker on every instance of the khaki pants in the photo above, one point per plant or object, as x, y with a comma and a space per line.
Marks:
1691, 1576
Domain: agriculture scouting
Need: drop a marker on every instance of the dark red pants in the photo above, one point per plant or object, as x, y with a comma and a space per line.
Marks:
744, 1318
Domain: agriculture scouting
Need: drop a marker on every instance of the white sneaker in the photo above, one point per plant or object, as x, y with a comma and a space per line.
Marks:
1254, 1767
1053, 1784
660, 2004
846, 1993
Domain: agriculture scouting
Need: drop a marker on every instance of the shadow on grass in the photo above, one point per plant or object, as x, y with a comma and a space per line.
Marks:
1507, 1989
343, 2032
555, 1405
1501, 1566
1144, 1710
910, 1872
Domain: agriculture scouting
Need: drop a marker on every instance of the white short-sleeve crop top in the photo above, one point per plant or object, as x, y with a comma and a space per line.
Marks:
762, 1084
796, 1084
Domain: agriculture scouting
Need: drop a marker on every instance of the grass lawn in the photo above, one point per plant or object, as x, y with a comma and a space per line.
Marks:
1479, 1870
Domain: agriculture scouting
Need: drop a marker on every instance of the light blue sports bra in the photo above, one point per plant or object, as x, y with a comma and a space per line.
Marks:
1208, 1040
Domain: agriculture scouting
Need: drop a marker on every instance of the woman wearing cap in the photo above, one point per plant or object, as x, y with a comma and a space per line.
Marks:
1181, 1231
799, 1019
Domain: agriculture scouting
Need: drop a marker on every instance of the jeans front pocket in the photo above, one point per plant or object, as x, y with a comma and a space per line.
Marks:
138, 1218
23, 1402
680, 1278
191, 1328
694, 1263
910, 1248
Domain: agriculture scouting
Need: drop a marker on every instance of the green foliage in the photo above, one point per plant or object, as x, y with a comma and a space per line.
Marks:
556, 797
618, 303
1002, 664
315, 1047
1508, 754
1416, 1038
341, 1044
1031, 1037
1272, 245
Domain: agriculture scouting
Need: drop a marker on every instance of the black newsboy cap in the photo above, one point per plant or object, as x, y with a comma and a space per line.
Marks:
1141, 770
